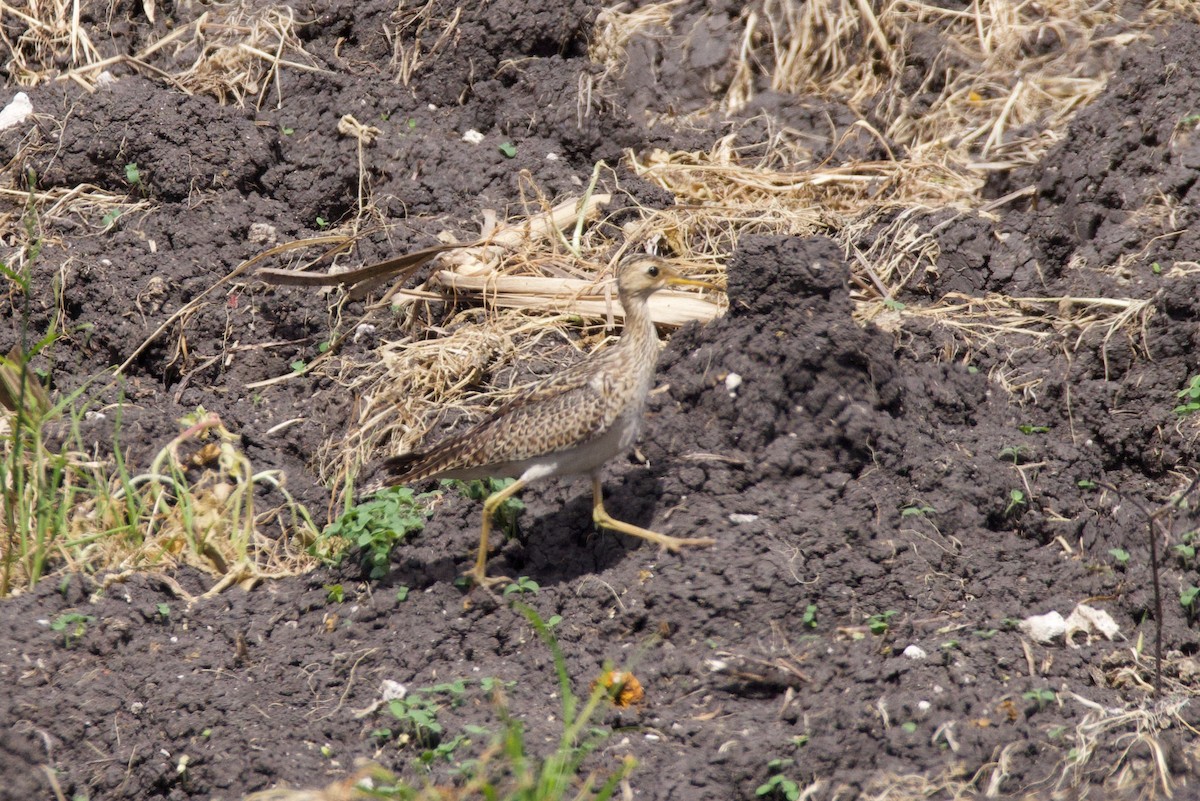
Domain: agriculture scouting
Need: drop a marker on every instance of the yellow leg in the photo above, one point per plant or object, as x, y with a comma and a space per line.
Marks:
478, 573
602, 519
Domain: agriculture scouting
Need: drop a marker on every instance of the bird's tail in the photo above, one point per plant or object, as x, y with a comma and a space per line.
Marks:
397, 469
394, 471
409, 468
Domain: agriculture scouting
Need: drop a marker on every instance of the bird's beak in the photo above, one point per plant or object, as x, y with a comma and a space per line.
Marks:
675, 279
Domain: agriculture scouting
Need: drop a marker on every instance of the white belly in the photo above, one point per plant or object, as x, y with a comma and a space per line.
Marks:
575, 461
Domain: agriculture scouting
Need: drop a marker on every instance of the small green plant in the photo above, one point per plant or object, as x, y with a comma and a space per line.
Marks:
1190, 397
523, 584
508, 150
809, 618
1085, 483
894, 305
163, 610
377, 526
335, 593
1187, 599
73, 625
479, 489
779, 785
491, 685
288, 131
299, 366
1186, 549
1119, 555
1156, 268
986, 634
1016, 498
322, 223
909, 726
417, 715
1014, 452
1042, 697
1026, 428
402, 594
132, 174
443, 751
880, 623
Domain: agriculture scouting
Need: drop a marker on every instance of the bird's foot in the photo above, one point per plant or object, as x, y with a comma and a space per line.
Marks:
480, 578
665, 541
674, 544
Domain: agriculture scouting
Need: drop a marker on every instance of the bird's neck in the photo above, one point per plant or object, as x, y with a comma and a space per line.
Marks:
638, 332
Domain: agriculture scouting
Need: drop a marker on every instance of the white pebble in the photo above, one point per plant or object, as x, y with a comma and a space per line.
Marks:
390, 690
1043, 628
472, 137
16, 112
915, 652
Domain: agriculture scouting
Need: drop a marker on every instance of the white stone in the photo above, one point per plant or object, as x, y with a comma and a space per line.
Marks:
1043, 628
391, 690
1090, 621
262, 233
16, 112
915, 652
472, 137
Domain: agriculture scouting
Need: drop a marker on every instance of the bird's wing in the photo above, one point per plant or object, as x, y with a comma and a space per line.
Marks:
560, 412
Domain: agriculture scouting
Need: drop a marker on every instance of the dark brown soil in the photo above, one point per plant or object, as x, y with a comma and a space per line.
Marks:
808, 473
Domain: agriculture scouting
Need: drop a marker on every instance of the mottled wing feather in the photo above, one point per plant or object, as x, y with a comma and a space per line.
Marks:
565, 410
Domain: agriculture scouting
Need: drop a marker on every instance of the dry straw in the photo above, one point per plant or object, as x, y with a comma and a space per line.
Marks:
1005, 81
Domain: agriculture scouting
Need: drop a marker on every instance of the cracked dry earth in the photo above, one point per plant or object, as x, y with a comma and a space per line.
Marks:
859, 480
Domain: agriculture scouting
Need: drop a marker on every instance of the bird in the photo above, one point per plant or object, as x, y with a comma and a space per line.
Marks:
569, 423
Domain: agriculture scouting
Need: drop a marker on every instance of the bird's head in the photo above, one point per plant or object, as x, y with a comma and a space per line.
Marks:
640, 275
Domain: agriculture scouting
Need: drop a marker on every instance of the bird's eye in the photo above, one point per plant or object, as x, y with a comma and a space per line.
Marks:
652, 271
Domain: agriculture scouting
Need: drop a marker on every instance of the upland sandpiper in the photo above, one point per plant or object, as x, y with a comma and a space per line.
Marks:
570, 423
